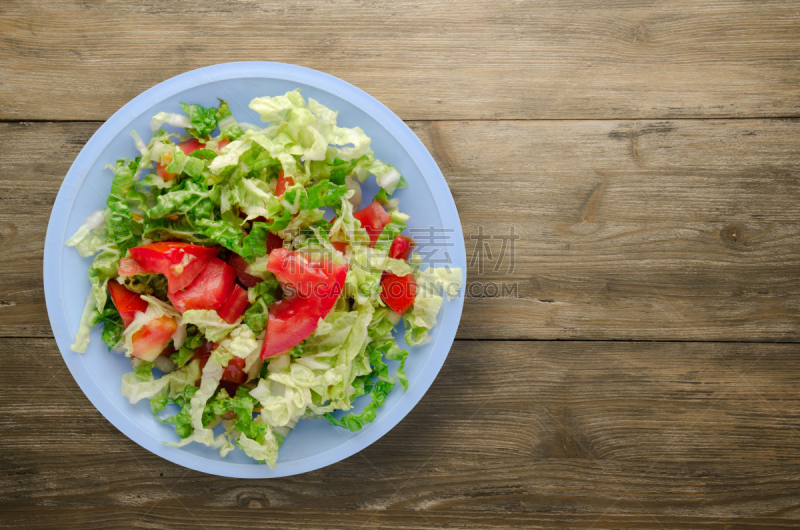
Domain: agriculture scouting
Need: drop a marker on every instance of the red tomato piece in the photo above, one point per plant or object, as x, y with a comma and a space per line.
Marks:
240, 265
203, 353
129, 267
306, 277
273, 241
294, 318
169, 350
283, 183
230, 388
398, 292
209, 290
373, 218
190, 146
161, 169
401, 247
341, 246
222, 143
234, 306
150, 341
291, 321
179, 262
234, 372
127, 302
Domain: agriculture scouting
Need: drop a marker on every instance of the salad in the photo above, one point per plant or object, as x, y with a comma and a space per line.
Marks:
237, 268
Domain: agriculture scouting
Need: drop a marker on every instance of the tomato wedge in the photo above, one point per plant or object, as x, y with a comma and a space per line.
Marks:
179, 262
234, 306
190, 146
234, 372
291, 320
341, 246
127, 302
161, 169
273, 241
398, 292
150, 341
209, 290
308, 278
203, 353
294, 318
129, 267
240, 266
401, 247
373, 218
283, 183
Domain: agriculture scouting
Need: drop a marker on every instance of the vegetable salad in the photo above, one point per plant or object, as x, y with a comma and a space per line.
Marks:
248, 280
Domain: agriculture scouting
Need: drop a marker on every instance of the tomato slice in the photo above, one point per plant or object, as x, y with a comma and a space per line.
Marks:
401, 247
129, 267
161, 169
150, 341
283, 183
179, 262
373, 218
222, 143
209, 290
341, 246
240, 265
203, 353
169, 350
398, 292
127, 302
317, 286
232, 375
291, 320
190, 146
273, 241
234, 372
308, 278
234, 306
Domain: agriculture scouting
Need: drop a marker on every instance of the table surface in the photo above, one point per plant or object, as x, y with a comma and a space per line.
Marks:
638, 365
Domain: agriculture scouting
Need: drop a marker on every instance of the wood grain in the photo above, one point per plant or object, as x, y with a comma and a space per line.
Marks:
475, 59
653, 230
603, 435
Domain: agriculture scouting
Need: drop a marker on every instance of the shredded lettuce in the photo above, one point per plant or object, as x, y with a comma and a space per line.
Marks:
209, 323
428, 301
91, 236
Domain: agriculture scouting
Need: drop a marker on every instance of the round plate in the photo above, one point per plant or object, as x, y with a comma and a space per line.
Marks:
313, 444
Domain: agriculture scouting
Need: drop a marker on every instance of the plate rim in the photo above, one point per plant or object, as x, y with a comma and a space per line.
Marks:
67, 194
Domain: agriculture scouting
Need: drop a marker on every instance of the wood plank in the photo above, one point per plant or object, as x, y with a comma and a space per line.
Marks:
578, 434
631, 229
473, 59
654, 230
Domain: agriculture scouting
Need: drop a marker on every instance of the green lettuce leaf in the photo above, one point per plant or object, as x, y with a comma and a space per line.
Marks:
202, 121
194, 339
228, 126
260, 296
120, 224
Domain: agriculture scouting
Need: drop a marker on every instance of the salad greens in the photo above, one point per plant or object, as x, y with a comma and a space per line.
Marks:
235, 187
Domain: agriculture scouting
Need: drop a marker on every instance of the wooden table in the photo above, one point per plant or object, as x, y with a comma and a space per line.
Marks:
639, 369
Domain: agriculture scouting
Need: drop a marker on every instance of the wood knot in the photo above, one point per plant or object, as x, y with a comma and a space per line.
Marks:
732, 235
7, 232
252, 499
640, 34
